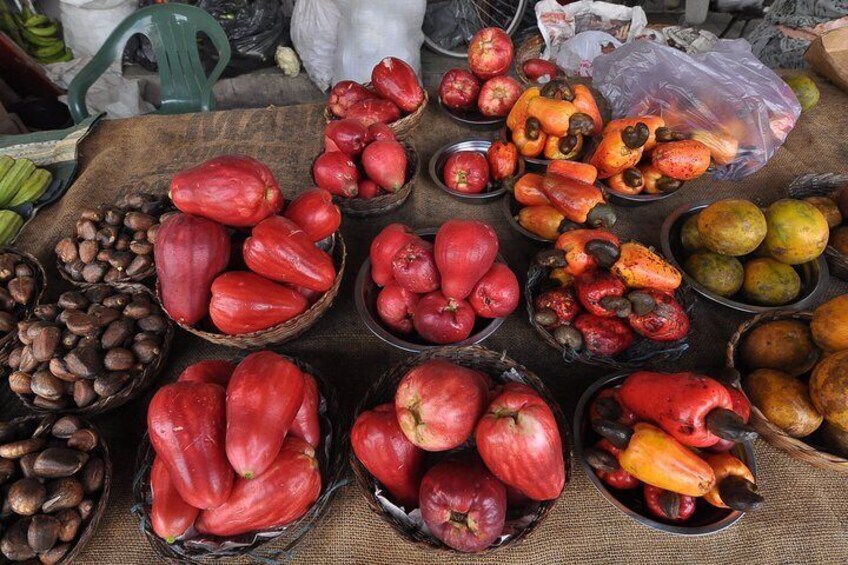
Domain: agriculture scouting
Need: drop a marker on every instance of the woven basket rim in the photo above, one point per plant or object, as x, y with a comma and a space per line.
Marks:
8, 340
401, 127
385, 203
794, 447
465, 356
140, 382
530, 48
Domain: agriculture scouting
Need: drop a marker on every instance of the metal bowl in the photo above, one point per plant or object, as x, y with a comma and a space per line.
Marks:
814, 274
473, 119
494, 190
634, 200
706, 520
511, 207
365, 295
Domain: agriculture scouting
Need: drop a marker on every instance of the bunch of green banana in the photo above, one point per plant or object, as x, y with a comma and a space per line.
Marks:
10, 224
40, 36
21, 182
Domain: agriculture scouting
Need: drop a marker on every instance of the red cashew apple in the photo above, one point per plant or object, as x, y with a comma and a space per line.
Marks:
443, 320
314, 212
535, 69
279, 250
279, 496
502, 157
374, 111
465, 250
190, 252
349, 135
438, 404
384, 247
518, 440
264, 395
235, 190
463, 504
669, 505
368, 189
177, 416
395, 306
170, 515
498, 95
381, 446
414, 268
395, 80
215, 371
466, 172
459, 90
496, 295
667, 321
345, 94
490, 53
604, 336
336, 173
385, 163
243, 302
619, 479
307, 422
379, 131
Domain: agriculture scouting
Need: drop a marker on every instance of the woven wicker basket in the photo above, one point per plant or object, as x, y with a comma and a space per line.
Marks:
141, 381
795, 447
403, 127
331, 459
501, 368
530, 48
23, 312
39, 426
385, 203
288, 330
643, 351
824, 185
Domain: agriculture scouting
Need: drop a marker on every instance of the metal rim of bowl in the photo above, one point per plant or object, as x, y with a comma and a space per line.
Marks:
633, 200
363, 278
477, 146
732, 517
507, 207
818, 270
473, 119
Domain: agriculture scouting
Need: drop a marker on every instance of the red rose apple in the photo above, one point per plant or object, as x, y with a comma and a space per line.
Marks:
443, 320
498, 96
414, 268
379, 131
438, 404
345, 94
384, 247
466, 172
368, 189
459, 90
463, 505
348, 135
336, 173
395, 306
496, 295
385, 163
490, 53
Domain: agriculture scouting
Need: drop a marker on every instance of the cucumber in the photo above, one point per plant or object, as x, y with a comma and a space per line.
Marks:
12, 181
32, 189
6, 163
10, 224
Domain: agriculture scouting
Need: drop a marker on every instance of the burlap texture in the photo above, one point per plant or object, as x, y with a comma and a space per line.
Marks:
805, 519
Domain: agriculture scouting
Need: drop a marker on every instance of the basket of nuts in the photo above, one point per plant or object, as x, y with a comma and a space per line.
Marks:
59, 475
22, 283
90, 352
112, 243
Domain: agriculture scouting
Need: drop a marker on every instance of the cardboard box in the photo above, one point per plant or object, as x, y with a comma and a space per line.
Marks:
829, 56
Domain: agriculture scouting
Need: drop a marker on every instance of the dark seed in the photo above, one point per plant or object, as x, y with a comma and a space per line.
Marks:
84, 393
86, 229
137, 309
7, 322
84, 440
139, 265
28, 362
43, 532
61, 494
147, 351
117, 333
98, 294
546, 317
20, 383
14, 360
7, 470
569, 337
66, 426
17, 449
46, 312
110, 383
59, 369
94, 272
14, 544
45, 343
92, 475
119, 359
84, 361
85, 509
58, 462
72, 300
66, 250
55, 555
89, 251
22, 289
69, 524
45, 385
49, 404
102, 315
26, 496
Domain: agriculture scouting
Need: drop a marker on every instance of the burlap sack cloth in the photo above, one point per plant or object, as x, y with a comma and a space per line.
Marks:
805, 518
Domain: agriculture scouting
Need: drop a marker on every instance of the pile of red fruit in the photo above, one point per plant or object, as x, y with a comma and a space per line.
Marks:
360, 161
235, 447
490, 58
439, 289
470, 172
278, 271
440, 406
395, 91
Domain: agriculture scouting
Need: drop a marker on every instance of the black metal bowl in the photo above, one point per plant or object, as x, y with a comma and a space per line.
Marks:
493, 191
706, 520
511, 207
473, 119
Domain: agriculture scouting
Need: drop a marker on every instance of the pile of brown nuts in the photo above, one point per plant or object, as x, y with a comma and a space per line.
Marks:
20, 284
88, 346
113, 243
50, 483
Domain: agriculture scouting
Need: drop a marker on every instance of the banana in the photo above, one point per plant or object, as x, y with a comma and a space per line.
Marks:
6, 163
51, 30
53, 49
40, 41
33, 188
36, 20
62, 57
10, 224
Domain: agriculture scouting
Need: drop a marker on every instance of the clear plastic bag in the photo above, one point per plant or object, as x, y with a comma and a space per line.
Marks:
314, 33
726, 97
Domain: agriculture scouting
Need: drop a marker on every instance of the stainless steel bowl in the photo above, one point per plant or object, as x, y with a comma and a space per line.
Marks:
511, 207
634, 200
814, 274
473, 119
706, 520
494, 190
365, 296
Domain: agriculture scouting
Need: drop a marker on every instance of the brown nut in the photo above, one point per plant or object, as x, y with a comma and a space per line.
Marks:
117, 333
27, 464
46, 312
73, 300
61, 494
137, 309
107, 236
93, 475
102, 315
119, 359
45, 385
84, 393
7, 470
66, 250
8, 262
92, 214
110, 383
113, 216
66, 426
113, 275
7, 303
84, 439
88, 251
146, 350
86, 229
141, 247
154, 231
50, 404
59, 369
55, 555
139, 221
59, 462
26, 496
17, 449
23, 331
28, 362
116, 301
14, 360
22, 289
85, 508
14, 544
139, 265
7, 322
45, 342
84, 362
122, 243
154, 323
20, 383
69, 524
23, 270
42, 533
98, 294
94, 272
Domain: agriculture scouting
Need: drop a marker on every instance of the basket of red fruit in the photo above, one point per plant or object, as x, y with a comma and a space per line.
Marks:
461, 448
424, 288
235, 267
394, 97
600, 301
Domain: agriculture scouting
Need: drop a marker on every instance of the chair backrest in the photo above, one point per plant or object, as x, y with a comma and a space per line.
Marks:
172, 30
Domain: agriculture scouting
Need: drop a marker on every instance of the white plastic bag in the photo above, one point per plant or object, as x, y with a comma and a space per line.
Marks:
314, 31
577, 54
88, 23
375, 29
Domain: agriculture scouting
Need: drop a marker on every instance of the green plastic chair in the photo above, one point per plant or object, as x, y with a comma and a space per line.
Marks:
172, 30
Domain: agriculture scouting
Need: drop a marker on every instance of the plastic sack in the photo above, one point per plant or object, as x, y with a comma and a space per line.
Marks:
314, 31
452, 23
375, 29
576, 55
726, 98
88, 23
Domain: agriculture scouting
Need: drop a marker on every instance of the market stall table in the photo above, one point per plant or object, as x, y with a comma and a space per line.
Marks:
803, 519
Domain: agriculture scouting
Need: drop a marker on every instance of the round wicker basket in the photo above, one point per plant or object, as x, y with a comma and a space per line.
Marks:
23, 312
824, 185
403, 127
502, 369
794, 447
385, 203
530, 48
